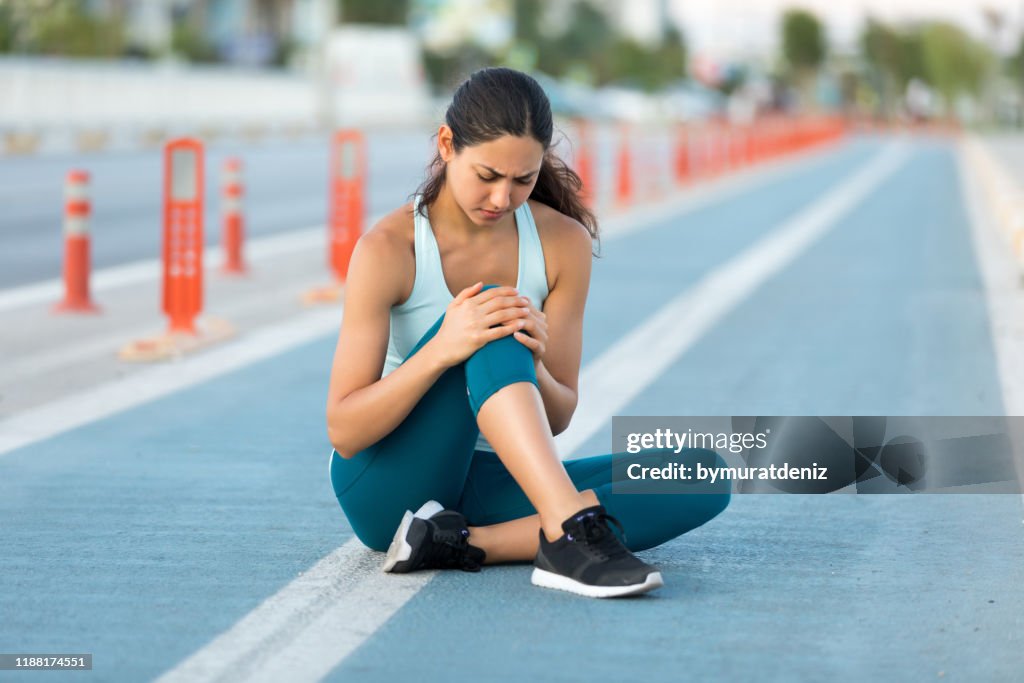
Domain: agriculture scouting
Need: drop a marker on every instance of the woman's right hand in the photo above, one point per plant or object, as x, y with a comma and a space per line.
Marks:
474, 318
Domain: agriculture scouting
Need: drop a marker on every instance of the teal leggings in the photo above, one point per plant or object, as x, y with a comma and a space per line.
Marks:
431, 455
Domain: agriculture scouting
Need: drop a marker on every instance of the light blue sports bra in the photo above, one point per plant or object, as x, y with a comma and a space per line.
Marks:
430, 295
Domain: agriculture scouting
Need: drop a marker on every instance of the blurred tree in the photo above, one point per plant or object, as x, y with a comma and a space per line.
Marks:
803, 47
911, 56
953, 62
1016, 61
803, 42
672, 56
188, 42
588, 49
939, 54
650, 68
887, 54
445, 71
881, 46
7, 28
591, 45
583, 46
526, 15
374, 11
68, 29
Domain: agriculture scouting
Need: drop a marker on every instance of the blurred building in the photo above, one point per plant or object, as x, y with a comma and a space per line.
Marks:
250, 32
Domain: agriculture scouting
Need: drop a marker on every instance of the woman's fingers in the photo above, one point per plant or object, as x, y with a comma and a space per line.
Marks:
504, 315
526, 340
495, 292
468, 292
499, 303
498, 332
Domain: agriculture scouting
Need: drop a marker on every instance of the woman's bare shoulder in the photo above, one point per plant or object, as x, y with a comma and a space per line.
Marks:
560, 234
388, 247
567, 244
392, 234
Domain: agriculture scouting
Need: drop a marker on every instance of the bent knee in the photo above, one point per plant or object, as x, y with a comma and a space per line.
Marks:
375, 540
373, 527
373, 536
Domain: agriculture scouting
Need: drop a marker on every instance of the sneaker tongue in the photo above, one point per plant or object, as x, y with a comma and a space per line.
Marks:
579, 518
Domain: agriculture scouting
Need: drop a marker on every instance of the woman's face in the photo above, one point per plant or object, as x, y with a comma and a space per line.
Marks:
492, 179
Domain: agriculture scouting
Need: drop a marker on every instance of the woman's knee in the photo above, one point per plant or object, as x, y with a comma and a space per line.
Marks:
374, 538
374, 527
496, 365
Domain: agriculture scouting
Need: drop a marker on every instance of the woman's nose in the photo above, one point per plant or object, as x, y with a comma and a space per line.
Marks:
501, 196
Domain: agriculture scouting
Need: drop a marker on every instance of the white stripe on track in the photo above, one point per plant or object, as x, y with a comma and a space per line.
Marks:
619, 374
1002, 277
108, 399
307, 649
320, 607
83, 349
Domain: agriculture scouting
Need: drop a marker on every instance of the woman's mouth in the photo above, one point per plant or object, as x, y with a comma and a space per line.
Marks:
492, 215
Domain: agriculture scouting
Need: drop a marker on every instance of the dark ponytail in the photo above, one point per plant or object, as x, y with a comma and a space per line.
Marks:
497, 101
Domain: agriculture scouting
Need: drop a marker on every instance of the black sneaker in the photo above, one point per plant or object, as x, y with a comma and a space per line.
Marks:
432, 538
590, 560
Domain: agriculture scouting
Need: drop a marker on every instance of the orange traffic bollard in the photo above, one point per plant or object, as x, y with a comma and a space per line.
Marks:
77, 210
183, 234
585, 162
233, 219
347, 203
682, 155
624, 177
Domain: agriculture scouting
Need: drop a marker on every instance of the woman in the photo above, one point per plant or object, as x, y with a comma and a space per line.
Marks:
445, 393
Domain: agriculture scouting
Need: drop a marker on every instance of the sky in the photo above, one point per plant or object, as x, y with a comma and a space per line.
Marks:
730, 28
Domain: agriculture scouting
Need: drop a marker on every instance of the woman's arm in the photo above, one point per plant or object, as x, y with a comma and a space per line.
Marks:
362, 408
559, 368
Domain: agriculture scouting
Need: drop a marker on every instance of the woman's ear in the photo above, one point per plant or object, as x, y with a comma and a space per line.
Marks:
445, 146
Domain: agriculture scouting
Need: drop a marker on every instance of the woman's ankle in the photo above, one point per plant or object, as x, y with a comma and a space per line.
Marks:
552, 523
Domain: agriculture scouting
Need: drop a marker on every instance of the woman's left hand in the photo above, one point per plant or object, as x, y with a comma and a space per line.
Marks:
534, 334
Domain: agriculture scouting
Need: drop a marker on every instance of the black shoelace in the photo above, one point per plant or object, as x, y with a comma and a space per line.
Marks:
598, 536
449, 551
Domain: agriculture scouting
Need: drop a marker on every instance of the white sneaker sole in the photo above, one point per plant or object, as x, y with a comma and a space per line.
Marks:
400, 550
547, 579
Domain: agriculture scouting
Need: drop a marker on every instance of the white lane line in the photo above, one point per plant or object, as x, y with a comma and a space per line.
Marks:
81, 349
618, 375
612, 227
324, 600
308, 649
1001, 277
108, 399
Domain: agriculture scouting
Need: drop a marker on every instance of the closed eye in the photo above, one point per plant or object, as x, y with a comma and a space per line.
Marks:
519, 181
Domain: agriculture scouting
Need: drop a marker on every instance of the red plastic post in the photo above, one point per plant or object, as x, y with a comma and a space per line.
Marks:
183, 233
682, 155
624, 169
585, 161
233, 235
347, 198
77, 210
